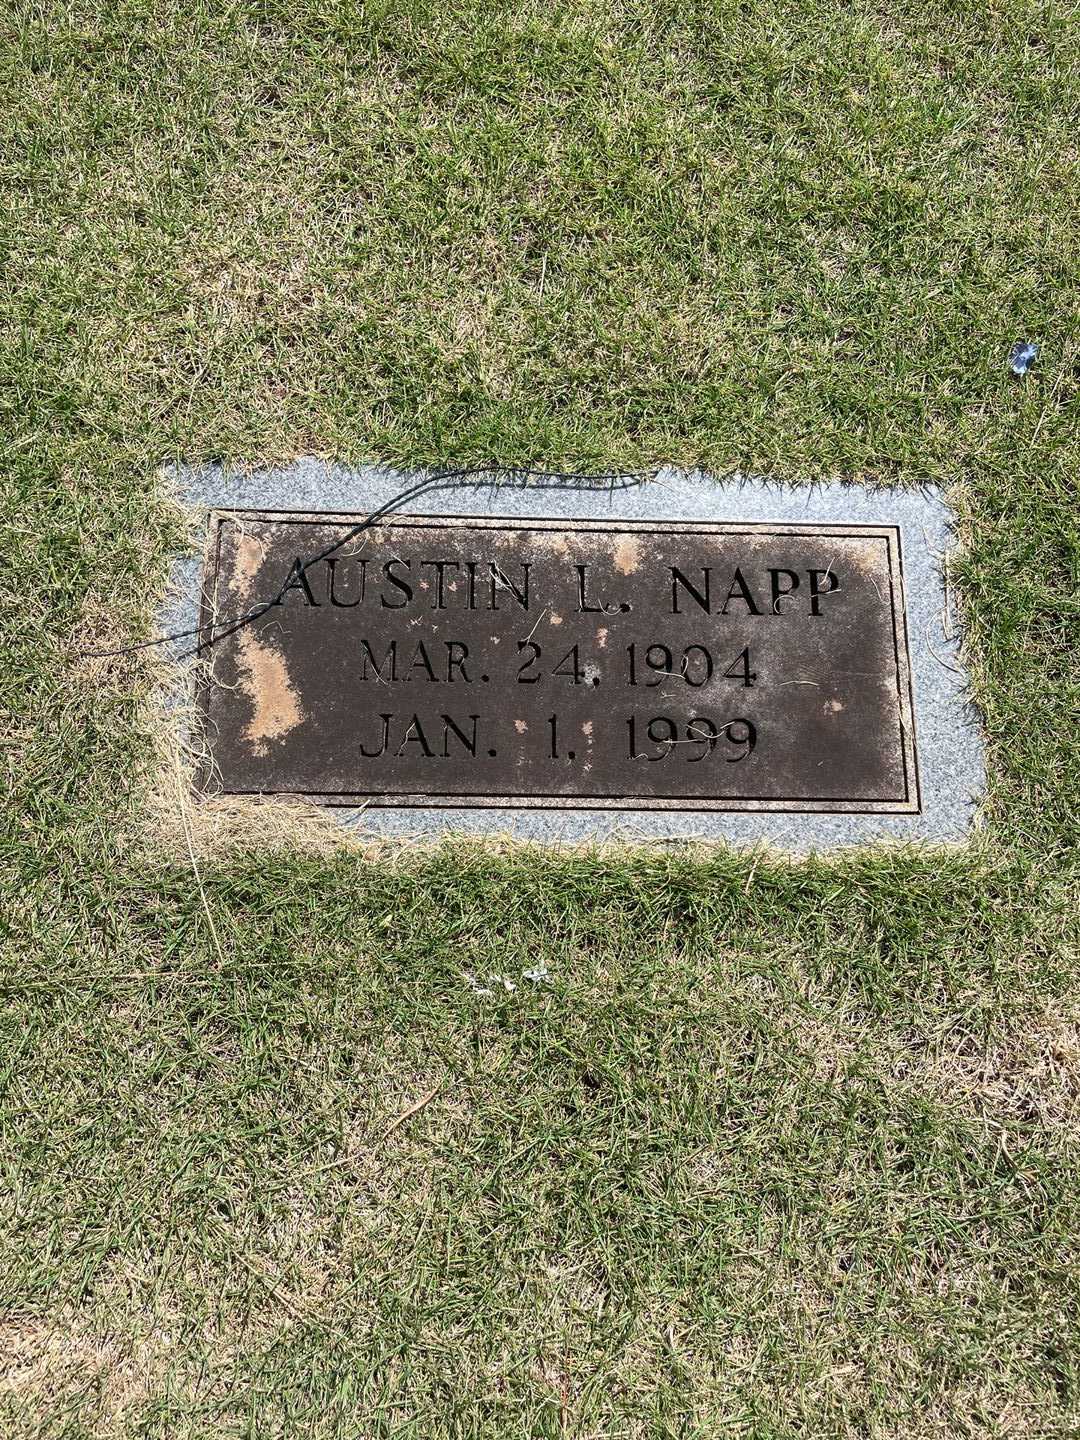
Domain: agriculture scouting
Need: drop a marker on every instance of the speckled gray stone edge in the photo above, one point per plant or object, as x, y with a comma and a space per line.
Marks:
947, 727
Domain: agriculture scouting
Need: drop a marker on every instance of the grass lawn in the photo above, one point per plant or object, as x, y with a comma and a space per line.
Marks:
776, 1149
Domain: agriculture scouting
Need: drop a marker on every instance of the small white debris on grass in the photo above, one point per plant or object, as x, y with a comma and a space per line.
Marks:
494, 980
536, 976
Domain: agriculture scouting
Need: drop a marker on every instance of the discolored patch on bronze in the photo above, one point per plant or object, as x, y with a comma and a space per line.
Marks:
250, 553
528, 663
627, 554
264, 681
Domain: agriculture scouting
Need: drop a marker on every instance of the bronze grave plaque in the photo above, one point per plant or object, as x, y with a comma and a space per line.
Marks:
630, 665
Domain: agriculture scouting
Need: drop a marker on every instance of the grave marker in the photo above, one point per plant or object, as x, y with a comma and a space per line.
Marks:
510, 663
689, 658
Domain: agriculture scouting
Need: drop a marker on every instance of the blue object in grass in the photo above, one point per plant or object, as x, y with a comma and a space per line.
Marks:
1021, 357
